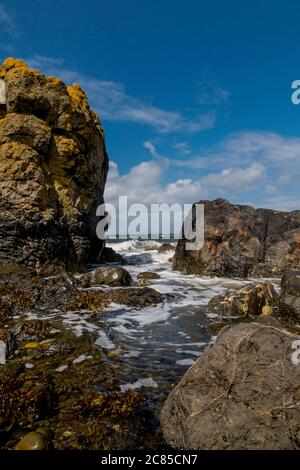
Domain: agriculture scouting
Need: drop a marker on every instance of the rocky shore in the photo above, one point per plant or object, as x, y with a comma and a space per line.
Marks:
67, 384
56, 390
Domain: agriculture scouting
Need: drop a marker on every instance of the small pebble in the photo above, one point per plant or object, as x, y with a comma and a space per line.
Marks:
28, 365
32, 441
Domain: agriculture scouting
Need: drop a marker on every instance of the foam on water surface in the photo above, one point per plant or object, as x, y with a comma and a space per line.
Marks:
163, 339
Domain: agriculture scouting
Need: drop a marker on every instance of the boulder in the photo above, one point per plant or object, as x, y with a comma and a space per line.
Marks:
97, 300
166, 247
109, 255
242, 393
32, 441
137, 297
253, 300
290, 291
110, 276
53, 168
242, 241
146, 277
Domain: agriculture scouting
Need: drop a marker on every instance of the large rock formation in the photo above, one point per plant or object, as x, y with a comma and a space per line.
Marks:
53, 167
243, 241
242, 393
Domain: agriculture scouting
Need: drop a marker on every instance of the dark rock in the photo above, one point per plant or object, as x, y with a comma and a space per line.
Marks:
242, 241
55, 291
53, 167
290, 291
252, 300
146, 277
108, 255
242, 393
96, 301
166, 247
136, 297
110, 276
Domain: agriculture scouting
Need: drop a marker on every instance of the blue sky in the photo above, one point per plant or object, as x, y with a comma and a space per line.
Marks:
195, 96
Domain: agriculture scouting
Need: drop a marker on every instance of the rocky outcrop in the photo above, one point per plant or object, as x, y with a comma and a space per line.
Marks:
290, 291
53, 167
243, 241
253, 300
242, 393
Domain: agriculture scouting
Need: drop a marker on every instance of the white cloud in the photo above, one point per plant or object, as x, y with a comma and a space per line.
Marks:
269, 146
7, 22
151, 148
114, 104
283, 203
211, 93
144, 183
262, 166
235, 180
238, 166
183, 148
279, 154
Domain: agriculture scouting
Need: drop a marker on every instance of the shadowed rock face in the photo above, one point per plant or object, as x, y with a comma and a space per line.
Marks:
290, 290
243, 241
242, 393
53, 168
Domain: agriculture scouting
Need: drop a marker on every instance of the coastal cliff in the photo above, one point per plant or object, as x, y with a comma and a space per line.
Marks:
53, 168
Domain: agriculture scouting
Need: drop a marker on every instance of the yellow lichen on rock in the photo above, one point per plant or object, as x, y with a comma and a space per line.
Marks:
53, 167
267, 310
11, 65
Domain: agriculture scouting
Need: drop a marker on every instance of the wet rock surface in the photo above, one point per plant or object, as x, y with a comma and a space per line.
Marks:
108, 255
56, 390
242, 393
109, 276
164, 247
32, 441
253, 300
147, 277
93, 366
242, 241
53, 167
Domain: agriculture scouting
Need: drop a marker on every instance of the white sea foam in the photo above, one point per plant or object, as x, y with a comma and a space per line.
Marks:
185, 362
168, 330
61, 368
147, 382
79, 359
103, 341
